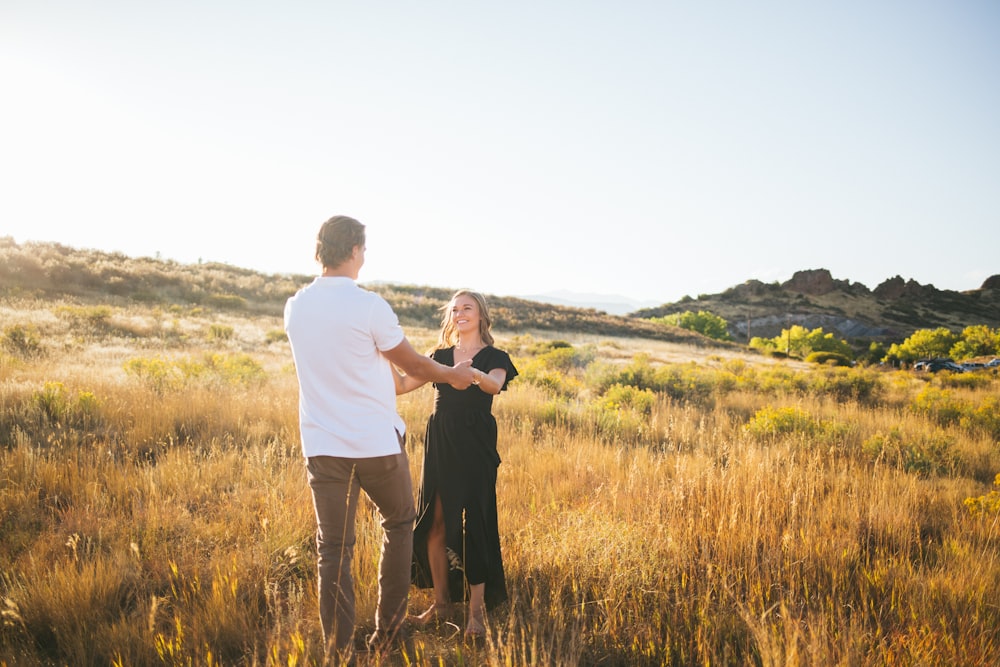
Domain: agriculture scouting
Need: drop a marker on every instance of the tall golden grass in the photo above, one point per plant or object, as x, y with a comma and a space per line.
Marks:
659, 504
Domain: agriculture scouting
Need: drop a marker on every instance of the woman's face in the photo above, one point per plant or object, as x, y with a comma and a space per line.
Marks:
465, 314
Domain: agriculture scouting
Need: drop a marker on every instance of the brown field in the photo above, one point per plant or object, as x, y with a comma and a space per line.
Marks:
660, 503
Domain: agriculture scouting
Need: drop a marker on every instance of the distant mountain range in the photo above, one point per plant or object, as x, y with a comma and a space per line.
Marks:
613, 304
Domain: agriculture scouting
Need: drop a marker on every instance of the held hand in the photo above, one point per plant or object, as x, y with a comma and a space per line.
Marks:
464, 375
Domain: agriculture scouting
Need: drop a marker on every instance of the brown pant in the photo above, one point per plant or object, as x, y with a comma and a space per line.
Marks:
335, 484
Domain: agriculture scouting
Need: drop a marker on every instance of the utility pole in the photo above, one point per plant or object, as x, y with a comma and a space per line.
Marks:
788, 337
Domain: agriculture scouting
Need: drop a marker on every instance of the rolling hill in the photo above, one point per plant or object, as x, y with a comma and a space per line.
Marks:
812, 298
55, 271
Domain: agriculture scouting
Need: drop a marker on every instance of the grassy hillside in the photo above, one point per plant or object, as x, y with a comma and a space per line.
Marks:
50, 270
890, 312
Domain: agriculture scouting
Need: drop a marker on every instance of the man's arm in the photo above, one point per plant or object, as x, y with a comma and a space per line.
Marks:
405, 383
425, 369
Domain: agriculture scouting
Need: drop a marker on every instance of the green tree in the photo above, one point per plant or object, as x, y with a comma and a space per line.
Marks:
801, 342
977, 341
875, 353
703, 322
924, 344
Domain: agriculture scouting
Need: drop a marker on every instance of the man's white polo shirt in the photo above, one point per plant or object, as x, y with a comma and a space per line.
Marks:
347, 397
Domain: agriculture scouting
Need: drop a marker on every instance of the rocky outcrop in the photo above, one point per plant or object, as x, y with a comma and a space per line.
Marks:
896, 288
814, 299
750, 289
993, 282
814, 282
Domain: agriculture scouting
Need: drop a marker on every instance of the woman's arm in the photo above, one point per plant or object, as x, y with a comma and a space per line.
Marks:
426, 369
491, 382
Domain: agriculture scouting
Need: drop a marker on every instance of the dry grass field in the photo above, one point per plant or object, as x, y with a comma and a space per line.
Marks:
660, 504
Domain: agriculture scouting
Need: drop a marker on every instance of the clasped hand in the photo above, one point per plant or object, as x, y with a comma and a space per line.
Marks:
465, 376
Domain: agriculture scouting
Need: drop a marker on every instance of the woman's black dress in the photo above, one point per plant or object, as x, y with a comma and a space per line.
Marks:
460, 466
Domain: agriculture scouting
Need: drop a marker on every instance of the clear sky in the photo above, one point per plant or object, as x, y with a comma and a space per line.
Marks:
647, 149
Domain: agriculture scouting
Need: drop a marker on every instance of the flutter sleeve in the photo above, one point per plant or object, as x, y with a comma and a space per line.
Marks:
500, 359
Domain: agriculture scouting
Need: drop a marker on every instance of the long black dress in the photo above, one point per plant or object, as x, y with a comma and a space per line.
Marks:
460, 466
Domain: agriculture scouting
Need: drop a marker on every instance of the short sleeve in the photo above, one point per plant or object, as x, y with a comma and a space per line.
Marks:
384, 325
500, 359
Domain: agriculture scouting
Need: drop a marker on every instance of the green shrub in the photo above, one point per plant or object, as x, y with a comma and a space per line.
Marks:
220, 332
770, 422
925, 454
828, 359
620, 397
621, 426
553, 381
554, 412
52, 402
162, 375
227, 301
567, 358
690, 382
222, 368
57, 406
975, 380
779, 380
159, 374
797, 341
864, 386
703, 322
938, 404
988, 503
95, 318
275, 336
985, 417
544, 346
556, 369
944, 407
22, 340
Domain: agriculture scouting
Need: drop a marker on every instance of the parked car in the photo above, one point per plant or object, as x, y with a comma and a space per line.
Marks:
973, 365
936, 364
944, 365
993, 363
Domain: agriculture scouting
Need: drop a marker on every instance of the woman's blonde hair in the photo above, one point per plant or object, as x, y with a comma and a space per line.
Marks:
449, 335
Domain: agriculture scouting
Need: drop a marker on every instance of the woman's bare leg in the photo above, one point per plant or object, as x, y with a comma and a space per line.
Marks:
437, 558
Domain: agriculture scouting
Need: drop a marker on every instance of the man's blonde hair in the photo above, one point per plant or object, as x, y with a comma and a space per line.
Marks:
337, 239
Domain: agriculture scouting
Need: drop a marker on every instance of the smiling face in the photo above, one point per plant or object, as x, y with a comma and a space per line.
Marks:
465, 314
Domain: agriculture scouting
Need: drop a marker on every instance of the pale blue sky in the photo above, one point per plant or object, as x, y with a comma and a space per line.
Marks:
648, 149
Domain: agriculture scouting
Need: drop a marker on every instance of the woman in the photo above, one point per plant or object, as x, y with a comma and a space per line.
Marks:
456, 542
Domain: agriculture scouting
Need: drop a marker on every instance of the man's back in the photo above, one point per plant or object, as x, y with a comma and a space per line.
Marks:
347, 395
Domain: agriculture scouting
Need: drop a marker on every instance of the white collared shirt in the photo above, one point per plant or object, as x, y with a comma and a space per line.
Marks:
347, 397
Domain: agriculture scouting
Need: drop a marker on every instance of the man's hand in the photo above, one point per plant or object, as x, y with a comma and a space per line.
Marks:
424, 369
465, 375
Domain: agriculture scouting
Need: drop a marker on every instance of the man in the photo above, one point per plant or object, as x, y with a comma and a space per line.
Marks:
343, 340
